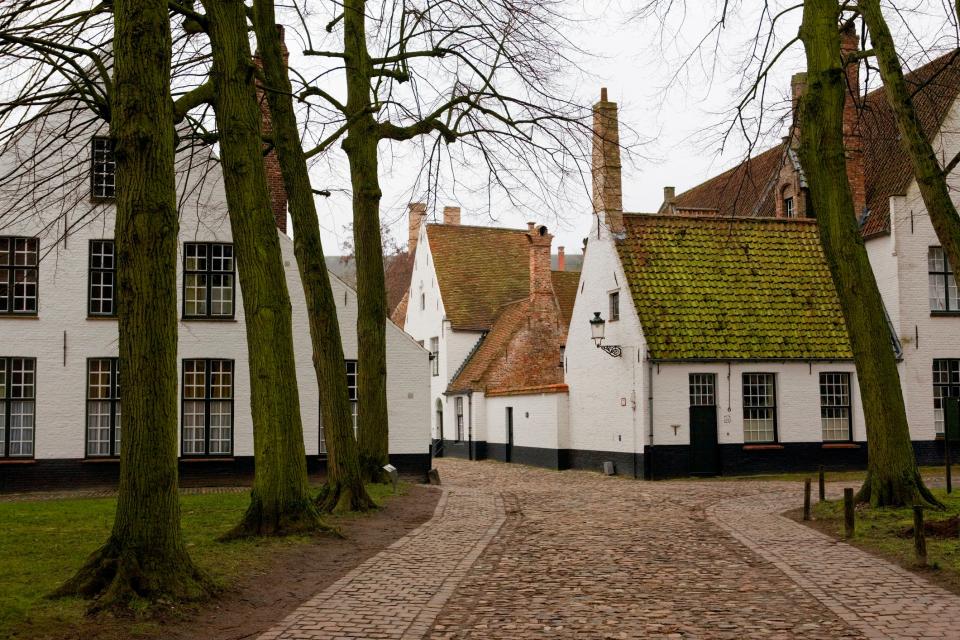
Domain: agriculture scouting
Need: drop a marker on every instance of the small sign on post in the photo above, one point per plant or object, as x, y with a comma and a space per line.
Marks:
394, 475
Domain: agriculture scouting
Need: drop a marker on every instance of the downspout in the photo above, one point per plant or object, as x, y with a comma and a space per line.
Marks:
633, 402
648, 469
470, 425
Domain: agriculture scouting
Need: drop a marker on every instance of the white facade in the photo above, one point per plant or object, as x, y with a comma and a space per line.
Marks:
62, 336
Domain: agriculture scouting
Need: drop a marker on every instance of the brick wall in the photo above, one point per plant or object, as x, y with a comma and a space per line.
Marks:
278, 192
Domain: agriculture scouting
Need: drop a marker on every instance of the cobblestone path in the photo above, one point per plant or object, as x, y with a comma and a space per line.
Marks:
518, 553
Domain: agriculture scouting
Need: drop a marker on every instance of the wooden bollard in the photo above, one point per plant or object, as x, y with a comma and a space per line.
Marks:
806, 499
848, 523
919, 536
823, 485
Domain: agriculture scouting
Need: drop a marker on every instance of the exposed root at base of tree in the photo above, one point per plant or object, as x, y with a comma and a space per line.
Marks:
339, 497
119, 578
302, 517
895, 491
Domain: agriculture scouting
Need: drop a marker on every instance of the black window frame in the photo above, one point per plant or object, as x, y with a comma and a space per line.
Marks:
109, 191
951, 386
825, 408
115, 409
435, 356
100, 271
614, 300
353, 396
458, 422
8, 276
7, 399
952, 305
207, 400
209, 272
773, 408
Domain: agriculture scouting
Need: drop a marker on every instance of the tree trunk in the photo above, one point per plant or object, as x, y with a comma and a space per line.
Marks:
892, 474
280, 502
145, 556
344, 489
930, 177
361, 147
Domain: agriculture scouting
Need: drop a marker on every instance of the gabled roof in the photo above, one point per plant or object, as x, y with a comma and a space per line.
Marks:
507, 323
479, 270
744, 191
735, 288
565, 285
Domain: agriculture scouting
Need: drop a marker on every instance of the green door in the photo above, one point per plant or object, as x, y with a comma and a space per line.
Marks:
704, 448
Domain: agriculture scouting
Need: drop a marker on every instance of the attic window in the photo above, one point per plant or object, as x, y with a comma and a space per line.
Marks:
788, 211
103, 169
423, 301
614, 306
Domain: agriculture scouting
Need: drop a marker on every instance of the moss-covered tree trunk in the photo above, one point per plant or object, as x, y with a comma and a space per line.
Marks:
344, 489
280, 501
145, 556
363, 135
926, 168
892, 475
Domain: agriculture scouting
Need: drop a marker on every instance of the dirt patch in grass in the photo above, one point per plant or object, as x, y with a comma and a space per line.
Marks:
259, 592
888, 534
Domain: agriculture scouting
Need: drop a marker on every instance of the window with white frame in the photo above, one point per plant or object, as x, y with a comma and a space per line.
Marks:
103, 279
435, 356
103, 169
19, 262
207, 407
788, 211
946, 384
17, 406
703, 390
835, 413
759, 408
208, 280
352, 395
614, 306
458, 411
942, 285
103, 407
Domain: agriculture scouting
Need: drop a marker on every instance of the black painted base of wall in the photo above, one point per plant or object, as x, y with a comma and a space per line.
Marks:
47, 475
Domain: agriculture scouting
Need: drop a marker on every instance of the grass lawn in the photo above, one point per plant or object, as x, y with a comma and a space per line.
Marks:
884, 533
45, 541
831, 476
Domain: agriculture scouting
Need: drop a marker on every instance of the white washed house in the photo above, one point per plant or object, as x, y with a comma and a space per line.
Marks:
60, 405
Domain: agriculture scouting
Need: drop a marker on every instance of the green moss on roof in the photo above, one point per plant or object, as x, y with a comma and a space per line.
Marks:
721, 288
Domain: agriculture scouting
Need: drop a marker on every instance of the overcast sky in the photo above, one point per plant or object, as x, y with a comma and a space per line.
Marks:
679, 124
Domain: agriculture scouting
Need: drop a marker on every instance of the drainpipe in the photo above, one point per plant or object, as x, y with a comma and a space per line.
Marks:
470, 425
633, 404
648, 472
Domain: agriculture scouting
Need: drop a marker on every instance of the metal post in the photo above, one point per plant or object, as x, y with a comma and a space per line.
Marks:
848, 522
823, 485
806, 499
919, 536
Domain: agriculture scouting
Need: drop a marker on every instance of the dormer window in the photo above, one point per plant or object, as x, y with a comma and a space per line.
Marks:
788, 211
103, 169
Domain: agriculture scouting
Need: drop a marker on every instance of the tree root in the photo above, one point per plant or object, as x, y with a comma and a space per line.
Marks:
897, 492
118, 577
339, 497
302, 517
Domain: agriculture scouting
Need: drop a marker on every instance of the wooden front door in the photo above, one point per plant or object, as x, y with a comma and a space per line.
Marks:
704, 447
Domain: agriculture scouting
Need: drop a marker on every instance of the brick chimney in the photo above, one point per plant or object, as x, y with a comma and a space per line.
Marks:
541, 280
607, 183
561, 259
451, 215
798, 86
852, 139
278, 193
417, 213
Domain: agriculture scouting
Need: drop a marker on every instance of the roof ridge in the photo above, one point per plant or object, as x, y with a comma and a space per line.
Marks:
475, 226
737, 219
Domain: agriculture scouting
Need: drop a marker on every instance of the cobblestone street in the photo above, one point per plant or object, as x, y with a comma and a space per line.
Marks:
515, 552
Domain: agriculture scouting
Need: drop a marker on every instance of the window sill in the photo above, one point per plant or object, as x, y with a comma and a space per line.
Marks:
19, 316
4, 461
102, 460
208, 319
205, 459
102, 318
839, 445
762, 447
934, 314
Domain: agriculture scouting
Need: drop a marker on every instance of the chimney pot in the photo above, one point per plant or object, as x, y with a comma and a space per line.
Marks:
531, 225
603, 94
451, 215
669, 194
561, 259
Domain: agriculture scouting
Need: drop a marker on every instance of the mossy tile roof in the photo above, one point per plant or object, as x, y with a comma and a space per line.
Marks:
742, 288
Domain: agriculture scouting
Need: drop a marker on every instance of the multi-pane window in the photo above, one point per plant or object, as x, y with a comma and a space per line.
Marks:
435, 356
19, 260
614, 306
352, 395
103, 407
946, 384
458, 410
703, 390
788, 208
207, 407
942, 285
17, 406
759, 407
208, 279
835, 411
103, 279
103, 169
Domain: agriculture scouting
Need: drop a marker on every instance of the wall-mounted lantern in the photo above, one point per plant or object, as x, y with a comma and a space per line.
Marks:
597, 328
